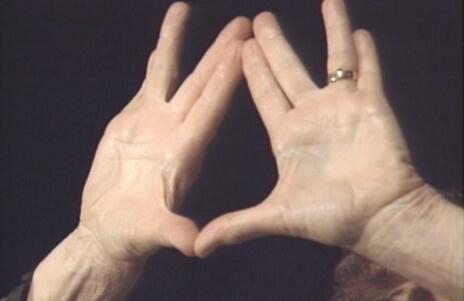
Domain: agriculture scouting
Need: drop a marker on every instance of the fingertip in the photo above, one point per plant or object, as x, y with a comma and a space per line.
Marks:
200, 251
211, 237
173, 26
189, 252
263, 17
364, 42
332, 5
239, 28
181, 234
361, 34
203, 253
370, 75
335, 13
176, 13
244, 23
179, 8
262, 20
325, 5
186, 245
203, 245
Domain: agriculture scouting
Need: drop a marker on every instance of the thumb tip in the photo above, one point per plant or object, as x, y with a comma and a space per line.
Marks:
182, 236
201, 247
203, 252
208, 240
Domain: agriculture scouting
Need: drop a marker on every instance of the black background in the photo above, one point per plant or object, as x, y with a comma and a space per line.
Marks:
68, 66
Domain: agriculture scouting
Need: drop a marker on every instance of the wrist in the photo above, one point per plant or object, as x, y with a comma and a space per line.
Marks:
398, 217
419, 236
79, 269
88, 239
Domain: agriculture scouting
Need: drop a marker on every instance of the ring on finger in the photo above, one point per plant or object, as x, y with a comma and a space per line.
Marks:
341, 74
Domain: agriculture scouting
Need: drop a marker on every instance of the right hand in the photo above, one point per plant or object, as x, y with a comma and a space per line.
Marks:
152, 151
340, 154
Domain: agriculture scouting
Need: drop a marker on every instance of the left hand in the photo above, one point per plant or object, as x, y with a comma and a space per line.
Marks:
340, 153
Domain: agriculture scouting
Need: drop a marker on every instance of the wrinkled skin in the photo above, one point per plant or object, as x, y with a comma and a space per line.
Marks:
151, 152
344, 168
359, 279
340, 154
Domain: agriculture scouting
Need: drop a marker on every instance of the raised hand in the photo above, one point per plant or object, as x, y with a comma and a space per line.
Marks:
340, 154
151, 152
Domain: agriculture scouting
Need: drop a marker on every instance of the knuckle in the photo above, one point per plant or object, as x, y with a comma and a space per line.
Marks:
120, 126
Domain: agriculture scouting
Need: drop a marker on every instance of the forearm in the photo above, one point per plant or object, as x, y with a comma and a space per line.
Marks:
78, 269
421, 238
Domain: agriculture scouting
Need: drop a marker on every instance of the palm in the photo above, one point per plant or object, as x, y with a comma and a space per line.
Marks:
151, 152
335, 154
152, 140
142, 161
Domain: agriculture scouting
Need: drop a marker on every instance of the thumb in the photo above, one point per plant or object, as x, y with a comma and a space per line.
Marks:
239, 226
179, 232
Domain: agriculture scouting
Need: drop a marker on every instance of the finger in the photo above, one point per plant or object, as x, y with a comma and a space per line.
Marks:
164, 63
180, 232
170, 231
340, 44
370, 75
237, 227
266, 92
208, 111
191, 89
285, 64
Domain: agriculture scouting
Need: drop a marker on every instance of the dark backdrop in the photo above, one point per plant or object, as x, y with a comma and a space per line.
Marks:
68, 66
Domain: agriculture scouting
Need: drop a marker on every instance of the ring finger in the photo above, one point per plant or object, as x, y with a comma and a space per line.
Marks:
340, 43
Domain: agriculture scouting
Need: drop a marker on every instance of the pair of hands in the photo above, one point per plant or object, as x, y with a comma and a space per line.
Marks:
340, 153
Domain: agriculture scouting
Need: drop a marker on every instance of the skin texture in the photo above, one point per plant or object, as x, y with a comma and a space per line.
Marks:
335, 146
147, 159
151, 152
359, 279
345, 172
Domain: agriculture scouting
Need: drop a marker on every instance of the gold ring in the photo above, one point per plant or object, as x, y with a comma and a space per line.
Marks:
341, 74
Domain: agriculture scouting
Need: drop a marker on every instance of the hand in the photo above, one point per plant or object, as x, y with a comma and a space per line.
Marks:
151, 152
340, 154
